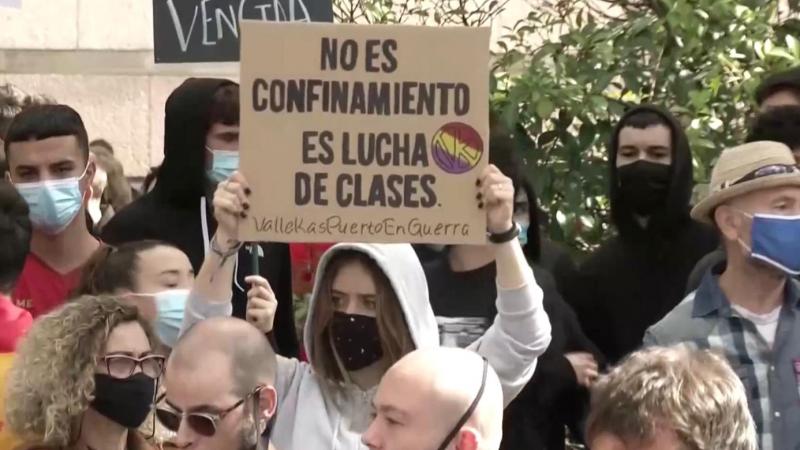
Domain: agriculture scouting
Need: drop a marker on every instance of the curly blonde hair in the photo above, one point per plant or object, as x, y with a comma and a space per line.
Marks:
694, 392
51, 382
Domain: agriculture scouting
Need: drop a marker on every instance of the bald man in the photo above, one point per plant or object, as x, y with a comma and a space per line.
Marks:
220, 387
438, 398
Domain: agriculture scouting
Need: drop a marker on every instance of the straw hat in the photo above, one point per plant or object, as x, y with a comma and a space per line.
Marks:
743, 161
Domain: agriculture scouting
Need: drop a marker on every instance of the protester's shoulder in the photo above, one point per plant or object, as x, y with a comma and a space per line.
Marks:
136, 211
679, 324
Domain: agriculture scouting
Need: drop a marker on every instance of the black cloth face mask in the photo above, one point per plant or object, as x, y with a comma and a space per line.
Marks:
644, 185
356, 340
126, 401
470, 410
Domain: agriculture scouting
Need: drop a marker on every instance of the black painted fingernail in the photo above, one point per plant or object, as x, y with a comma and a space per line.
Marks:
478, 182
243, 215
246, 206
480, 205
247, 191
479, 196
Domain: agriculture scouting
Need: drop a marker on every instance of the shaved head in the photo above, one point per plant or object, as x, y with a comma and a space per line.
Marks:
222, 365
422, 397
252, 359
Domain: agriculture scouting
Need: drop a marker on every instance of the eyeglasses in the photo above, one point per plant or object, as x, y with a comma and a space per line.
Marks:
774, 169
204, 424
123, 366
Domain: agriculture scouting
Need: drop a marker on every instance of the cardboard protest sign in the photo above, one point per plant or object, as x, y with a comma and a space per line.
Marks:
208, 30
364, 133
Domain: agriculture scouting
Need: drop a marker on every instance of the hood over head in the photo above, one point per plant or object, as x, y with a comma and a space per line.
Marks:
777, 81
401, 266
676, 207
182, 176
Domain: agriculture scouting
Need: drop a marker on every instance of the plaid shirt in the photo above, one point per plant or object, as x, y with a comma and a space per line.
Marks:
771, 376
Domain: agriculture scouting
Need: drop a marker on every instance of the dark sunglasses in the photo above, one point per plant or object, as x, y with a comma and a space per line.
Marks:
774, 169
204, 424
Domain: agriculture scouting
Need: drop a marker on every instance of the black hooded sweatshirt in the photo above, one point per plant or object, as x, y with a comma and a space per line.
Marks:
639, 275
464, 305
172, 211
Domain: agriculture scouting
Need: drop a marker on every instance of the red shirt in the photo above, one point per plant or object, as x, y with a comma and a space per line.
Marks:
14, 323
305, 258
40, 288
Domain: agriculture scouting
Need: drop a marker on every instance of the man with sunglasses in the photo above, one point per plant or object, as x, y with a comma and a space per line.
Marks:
219, 384
749, 309
438, 398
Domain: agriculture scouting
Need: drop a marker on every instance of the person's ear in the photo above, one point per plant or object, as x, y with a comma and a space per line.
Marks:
728, 221
268, 402
467, 439
91, 168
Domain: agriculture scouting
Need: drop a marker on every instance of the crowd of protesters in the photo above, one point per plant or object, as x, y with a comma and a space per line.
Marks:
137, 319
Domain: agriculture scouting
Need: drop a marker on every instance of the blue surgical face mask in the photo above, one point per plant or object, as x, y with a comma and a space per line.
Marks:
223, 164
775, 241
53, 203
522, 221
170, 306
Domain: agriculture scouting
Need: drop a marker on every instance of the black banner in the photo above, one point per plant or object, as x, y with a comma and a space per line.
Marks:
208, 30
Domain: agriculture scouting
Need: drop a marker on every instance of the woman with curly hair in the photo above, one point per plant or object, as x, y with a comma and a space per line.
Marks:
84, 378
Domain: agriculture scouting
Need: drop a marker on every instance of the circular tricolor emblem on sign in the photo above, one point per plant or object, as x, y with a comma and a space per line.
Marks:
457, 148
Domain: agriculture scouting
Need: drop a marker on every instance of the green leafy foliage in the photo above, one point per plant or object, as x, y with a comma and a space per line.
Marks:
569, 69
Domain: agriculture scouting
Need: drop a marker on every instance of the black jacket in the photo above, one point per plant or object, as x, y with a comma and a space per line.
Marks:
172, 211
552, 399
639, 275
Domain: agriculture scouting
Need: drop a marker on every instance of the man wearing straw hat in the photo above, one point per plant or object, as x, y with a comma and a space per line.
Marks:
750, 310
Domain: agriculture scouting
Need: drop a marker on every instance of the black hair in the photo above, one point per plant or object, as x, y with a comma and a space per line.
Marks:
15, 235
225, 106
779, 124
102, 143
113, 268
504, 153
644, 119
787, 80
39, 122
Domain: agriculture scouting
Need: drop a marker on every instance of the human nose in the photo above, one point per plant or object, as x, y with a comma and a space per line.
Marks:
185, 435
351, 307
369, 438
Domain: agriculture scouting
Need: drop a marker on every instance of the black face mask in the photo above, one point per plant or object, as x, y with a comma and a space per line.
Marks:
644, 185
470, 410
126, 401
356, 340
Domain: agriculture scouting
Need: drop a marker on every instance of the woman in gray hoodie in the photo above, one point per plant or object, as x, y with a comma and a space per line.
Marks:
369, 307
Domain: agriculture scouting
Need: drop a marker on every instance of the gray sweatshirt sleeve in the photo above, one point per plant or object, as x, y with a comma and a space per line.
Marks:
198, 310
519, 335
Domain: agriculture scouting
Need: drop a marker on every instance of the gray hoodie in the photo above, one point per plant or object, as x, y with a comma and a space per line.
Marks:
310, 417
